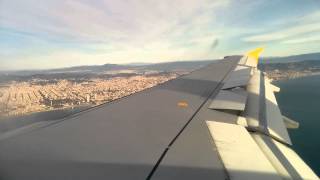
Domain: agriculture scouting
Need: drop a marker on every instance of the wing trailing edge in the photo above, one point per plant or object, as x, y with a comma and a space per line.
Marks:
259, 141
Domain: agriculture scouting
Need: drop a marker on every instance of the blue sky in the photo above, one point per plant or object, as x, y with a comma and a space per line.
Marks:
58, 33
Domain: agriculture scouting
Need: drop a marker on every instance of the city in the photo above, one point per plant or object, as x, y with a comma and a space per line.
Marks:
19, 98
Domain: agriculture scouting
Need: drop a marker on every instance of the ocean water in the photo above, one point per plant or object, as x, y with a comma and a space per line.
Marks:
299, 99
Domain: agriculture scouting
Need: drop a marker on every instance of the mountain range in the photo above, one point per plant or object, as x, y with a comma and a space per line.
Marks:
168, 66
293, 58
309, 60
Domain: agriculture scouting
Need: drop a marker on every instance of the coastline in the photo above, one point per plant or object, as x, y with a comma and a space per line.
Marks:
43, 111
14, 122
288, 77
86, 106
298, 99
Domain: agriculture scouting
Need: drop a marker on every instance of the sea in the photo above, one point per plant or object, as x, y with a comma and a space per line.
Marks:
299, 99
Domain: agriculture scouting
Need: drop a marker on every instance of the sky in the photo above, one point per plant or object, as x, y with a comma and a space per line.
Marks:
61, 33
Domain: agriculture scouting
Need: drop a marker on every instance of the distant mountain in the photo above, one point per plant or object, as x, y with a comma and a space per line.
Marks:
178, 65
96, 69
138, 64
79, 73
311, 65
92, 69
76, 69
167, 66
294, 58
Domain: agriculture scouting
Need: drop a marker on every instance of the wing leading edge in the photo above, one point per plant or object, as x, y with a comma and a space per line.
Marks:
123, 139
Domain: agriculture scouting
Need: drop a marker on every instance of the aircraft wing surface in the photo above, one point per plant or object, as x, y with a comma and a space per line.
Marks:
221, 121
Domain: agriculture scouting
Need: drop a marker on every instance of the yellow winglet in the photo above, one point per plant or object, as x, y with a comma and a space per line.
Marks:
255, 54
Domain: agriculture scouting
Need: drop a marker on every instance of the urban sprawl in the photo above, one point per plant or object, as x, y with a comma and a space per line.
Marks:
18, 98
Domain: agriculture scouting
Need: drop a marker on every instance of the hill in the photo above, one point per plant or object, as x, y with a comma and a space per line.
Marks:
293, 66
294, 58
97, 69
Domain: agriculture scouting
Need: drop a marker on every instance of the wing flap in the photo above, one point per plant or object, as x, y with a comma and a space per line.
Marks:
229, 100
240, 76
242, 157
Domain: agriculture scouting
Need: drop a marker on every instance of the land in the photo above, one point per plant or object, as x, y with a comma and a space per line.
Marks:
24, 92
18, 98
291, 70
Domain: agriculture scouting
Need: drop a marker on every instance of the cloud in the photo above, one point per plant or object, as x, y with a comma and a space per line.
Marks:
285, 33
121, 30
74, 32
288, 28
105, 21
303, 40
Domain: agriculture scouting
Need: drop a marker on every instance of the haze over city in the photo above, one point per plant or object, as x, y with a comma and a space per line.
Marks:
57, 33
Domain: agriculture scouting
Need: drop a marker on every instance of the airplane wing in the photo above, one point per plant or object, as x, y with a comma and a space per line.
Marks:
219, 122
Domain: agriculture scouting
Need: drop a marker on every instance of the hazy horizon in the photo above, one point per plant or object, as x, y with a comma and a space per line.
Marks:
141, 62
